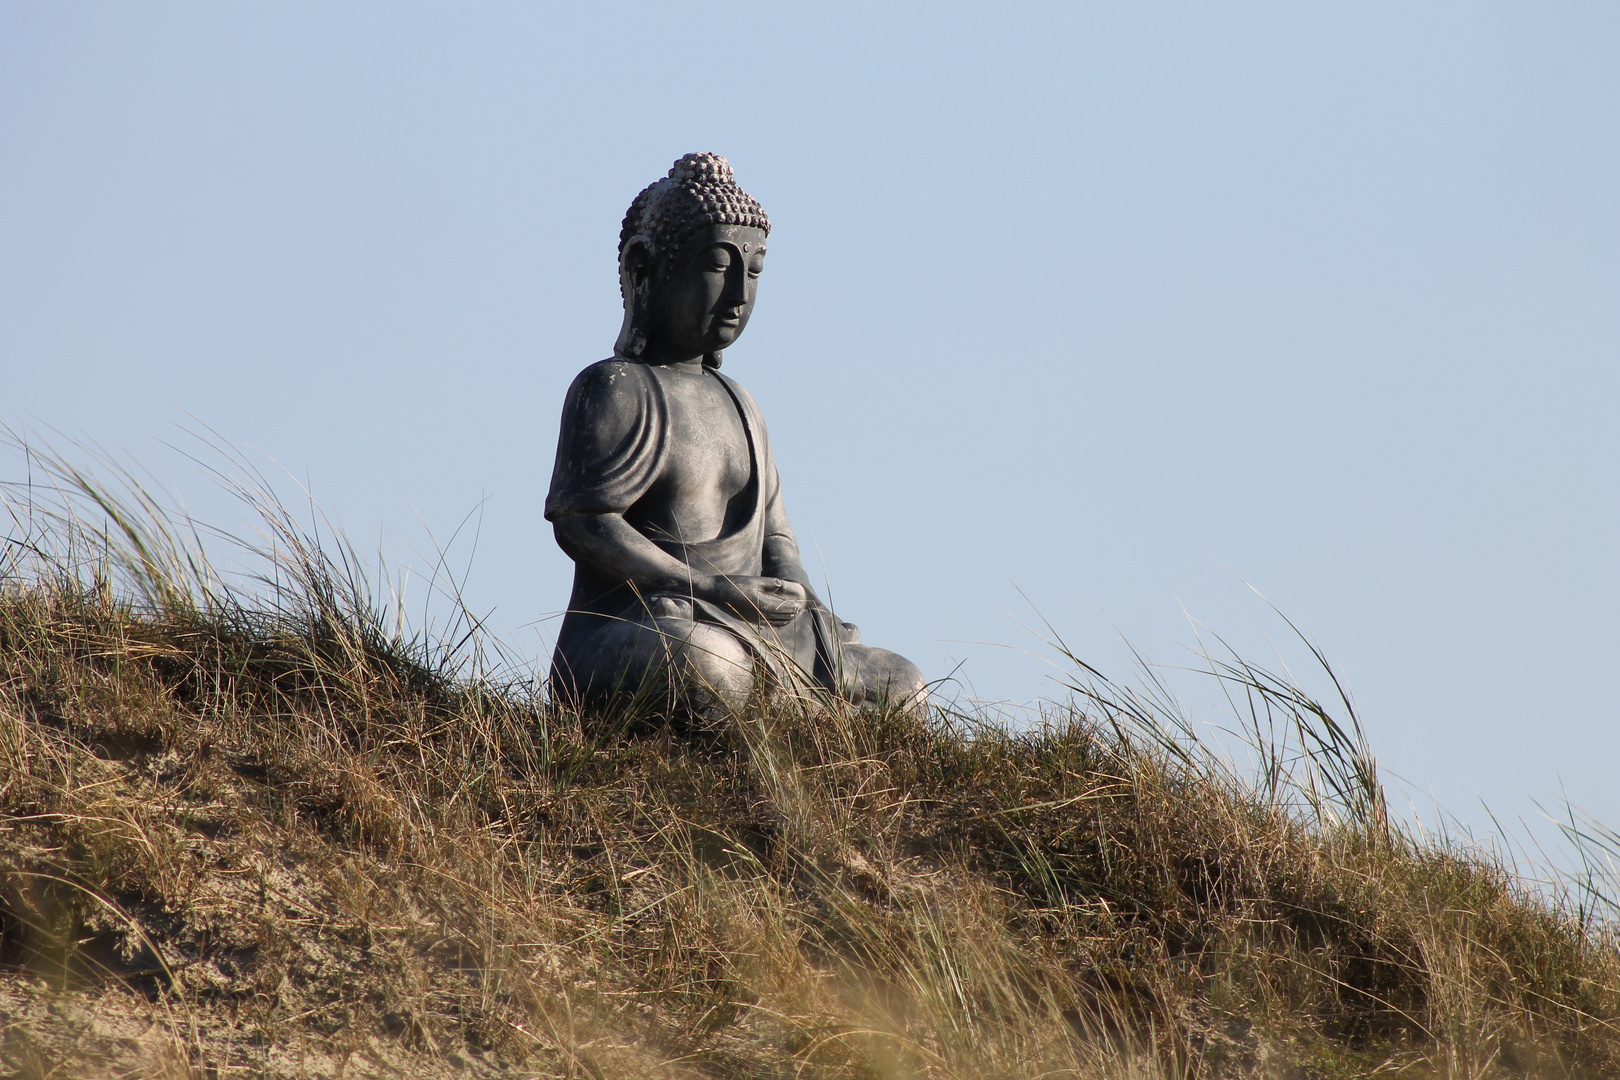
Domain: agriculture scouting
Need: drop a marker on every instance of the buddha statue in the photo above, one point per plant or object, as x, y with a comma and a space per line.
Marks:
689, 592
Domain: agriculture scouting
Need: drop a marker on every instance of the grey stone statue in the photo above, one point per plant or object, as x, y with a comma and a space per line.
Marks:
689, 592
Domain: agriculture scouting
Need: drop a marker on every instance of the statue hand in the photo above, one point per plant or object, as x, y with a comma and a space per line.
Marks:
761, 599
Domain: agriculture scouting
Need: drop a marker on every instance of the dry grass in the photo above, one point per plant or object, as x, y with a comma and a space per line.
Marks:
262, 830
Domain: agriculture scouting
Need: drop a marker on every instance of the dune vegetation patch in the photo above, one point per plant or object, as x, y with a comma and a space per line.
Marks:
261, 828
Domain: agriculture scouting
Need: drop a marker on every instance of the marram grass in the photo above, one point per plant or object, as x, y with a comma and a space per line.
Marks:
260, 829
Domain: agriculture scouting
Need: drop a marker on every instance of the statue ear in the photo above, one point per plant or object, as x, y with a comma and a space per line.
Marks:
635, 285
636, 261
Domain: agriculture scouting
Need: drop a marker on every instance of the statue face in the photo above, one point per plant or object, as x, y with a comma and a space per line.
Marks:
706, 301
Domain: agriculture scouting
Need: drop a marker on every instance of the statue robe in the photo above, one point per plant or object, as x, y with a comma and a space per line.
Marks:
612, 451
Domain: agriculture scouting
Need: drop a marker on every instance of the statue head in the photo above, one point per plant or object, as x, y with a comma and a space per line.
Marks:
690, 252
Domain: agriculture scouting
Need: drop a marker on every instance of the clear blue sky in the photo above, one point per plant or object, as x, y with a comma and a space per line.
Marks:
1107, 303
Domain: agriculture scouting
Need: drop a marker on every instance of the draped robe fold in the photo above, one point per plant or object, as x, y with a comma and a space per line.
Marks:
612, 450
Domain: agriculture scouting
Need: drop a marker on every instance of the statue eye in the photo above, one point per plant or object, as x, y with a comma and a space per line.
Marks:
717, 260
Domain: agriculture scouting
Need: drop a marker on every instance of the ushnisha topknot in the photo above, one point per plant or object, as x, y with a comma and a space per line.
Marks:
700, 190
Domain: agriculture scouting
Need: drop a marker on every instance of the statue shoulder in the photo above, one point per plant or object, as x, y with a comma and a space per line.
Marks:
612, 376
612, 441
612, 392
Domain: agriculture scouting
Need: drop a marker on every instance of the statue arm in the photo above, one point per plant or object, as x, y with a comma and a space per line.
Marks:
614, 547
782, 558
610, 448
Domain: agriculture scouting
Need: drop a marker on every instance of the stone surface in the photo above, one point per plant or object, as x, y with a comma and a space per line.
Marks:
689, 592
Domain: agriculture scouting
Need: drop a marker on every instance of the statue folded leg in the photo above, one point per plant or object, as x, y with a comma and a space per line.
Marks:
656, 660
880, 678
674, 655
